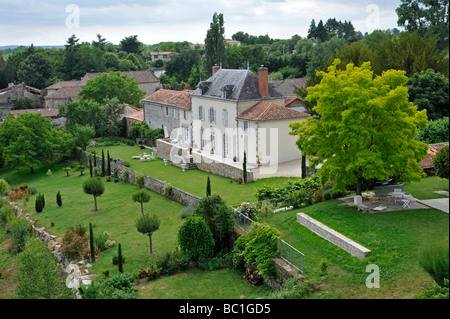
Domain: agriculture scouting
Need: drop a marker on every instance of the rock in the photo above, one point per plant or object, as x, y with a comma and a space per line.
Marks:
73, 282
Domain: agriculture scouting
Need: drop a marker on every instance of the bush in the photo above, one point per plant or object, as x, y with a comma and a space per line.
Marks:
167, 189
257, 248
119, 286
293, 288
220, 219
19, 228
73, 245
276, 192
437, 292
187, 211
212, 263
195, 238
441, 162
172, 262
434, 258
104, 241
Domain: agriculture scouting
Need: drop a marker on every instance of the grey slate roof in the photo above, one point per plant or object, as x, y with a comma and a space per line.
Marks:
245, 84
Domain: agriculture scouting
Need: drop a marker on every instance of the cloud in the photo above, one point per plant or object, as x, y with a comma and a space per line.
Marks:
46, 22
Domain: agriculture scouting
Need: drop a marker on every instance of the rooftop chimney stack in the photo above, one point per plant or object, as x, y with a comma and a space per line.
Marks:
215, 68
263, 81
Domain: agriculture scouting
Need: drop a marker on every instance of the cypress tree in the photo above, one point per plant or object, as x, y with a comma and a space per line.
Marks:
244, 169
208, 187
120, 259
103, 164
42, 198
58, 199
38, 204
91, 242
90, 165
108, 166
95, 160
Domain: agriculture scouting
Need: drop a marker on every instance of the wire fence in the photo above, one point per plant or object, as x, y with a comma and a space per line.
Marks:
288, 253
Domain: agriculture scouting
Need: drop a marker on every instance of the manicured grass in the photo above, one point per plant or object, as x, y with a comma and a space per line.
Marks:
117, 214
192, 181
394, 239
198, 284
426, 187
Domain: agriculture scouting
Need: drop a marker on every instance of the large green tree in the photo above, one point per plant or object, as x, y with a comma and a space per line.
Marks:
366, 129
31, 139
426, 16
112, 85
429, 90
35, 71
214, 42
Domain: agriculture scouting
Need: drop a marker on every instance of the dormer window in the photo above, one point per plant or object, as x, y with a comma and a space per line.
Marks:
227, 90
204, 86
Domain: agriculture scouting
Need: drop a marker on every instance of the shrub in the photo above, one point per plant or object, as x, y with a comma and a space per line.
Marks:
323, 266
195, 238
187, 211
80, 229
220, 219
58, 199
151, 272
212, 263
441, 162
249, 210
118, 286
293, 288
6, 212
256, 248
167, 189
104, 241
139, 179
73, 245
434, 258
437, 292
172, 262
124, 174
4, 187
19, 228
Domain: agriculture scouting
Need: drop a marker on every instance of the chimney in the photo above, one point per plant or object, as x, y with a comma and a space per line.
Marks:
215, 68
263, 81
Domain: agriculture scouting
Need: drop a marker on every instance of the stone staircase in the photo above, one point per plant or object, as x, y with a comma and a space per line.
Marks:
190, 164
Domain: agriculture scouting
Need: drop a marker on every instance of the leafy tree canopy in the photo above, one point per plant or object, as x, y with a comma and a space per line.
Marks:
31, 139
112, 85
372, 125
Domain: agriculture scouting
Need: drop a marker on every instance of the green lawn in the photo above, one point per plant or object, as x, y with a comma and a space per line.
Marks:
117, 214
426, 187
198, 284
394, 239
192, 181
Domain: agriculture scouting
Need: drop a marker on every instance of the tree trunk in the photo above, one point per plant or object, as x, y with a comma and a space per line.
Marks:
142, 208
359, 186
150, 237
95, 203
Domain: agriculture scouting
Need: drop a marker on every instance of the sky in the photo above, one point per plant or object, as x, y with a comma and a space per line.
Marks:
25, 22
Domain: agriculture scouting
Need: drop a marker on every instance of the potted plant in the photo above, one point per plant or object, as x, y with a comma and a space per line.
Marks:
234, 159
190, 150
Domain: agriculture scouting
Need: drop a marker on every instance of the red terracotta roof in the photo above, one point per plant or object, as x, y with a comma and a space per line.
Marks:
264, 111
180, 99
292, 99
138, 116
428, 161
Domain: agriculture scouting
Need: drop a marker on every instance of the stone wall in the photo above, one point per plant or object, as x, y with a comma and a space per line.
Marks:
151, 183
77, 273
178, 155
333, 236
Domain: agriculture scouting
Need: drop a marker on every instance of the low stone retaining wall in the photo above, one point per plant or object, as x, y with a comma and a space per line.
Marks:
333, 236
176, 154
152, 183
76, 276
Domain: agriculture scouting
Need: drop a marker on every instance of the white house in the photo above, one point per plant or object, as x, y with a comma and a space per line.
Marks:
232, 112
